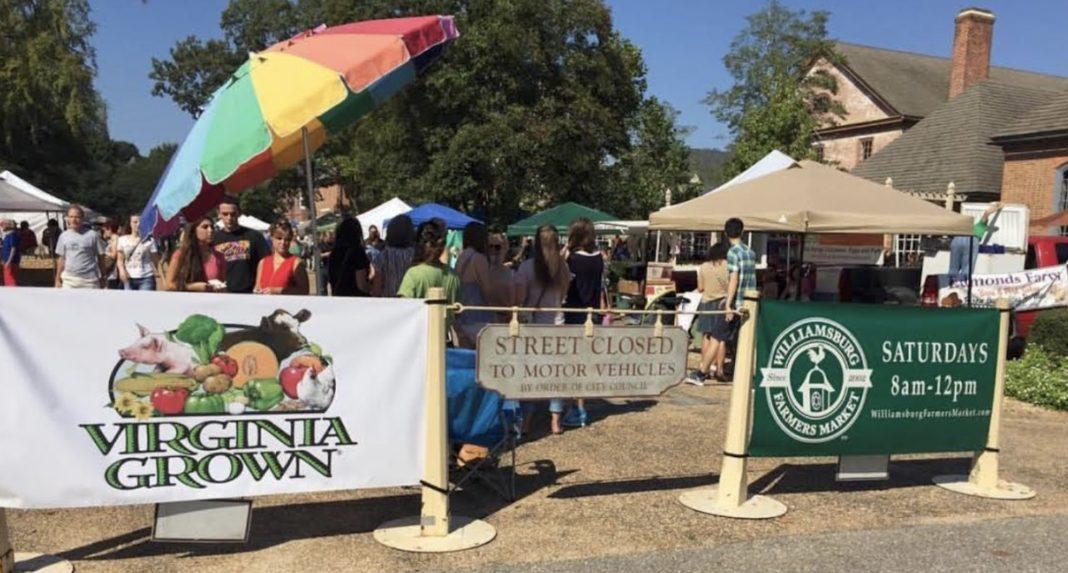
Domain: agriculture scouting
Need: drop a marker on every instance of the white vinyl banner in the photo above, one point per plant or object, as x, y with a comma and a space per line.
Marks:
1026, 290
116, 397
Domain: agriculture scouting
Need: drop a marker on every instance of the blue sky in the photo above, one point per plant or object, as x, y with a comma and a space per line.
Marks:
683, 42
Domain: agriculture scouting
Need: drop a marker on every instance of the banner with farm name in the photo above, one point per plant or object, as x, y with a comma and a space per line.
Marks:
837, 379
1026, 290
116, 397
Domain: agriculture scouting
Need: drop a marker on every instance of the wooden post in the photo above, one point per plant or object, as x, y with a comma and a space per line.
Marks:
733, 484
434, 530
730, 498
434, 518
7, 554
983, 480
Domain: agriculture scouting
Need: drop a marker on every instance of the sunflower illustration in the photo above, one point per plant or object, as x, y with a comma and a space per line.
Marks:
125, 403
141, 411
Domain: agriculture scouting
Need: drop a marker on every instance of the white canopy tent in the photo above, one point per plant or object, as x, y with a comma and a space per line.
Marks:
37, 219
775, 160
377, 216
14, 199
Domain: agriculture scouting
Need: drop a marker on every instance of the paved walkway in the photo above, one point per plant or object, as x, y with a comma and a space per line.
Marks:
1025, 544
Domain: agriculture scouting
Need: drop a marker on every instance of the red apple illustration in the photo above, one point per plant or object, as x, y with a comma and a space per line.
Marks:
290, 377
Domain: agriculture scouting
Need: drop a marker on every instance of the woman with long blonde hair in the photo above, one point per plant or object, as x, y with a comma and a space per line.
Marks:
542, 282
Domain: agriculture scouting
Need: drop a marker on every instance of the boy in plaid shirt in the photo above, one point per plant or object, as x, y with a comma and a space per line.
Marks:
741, 266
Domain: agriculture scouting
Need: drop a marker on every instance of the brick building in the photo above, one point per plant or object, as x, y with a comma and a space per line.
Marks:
1036, 163
886, 93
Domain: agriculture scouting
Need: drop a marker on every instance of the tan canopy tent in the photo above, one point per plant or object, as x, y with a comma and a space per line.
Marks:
809, 197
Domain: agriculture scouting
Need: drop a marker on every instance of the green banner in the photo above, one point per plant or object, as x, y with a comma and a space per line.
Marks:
834, 379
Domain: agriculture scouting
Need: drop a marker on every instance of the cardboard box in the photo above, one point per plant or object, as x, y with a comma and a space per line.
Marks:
629, 287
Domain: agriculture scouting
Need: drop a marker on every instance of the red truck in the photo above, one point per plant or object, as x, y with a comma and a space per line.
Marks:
1042, 251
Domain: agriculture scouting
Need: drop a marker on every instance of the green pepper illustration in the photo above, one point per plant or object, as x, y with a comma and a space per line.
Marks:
264, 393
204, 404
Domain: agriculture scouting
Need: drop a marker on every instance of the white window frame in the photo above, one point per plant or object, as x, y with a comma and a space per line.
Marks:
906, 245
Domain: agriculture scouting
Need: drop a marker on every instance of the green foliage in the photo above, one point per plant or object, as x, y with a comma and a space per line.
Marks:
655, 161
1040, 378
710, 166
1050, 331
775, 103
132, 182
538, 102
53, 125
201, 332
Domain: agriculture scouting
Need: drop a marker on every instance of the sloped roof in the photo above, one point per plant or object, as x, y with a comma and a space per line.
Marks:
953, 142
1049, 118
915, 84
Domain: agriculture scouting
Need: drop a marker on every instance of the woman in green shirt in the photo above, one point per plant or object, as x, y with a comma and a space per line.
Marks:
427, 270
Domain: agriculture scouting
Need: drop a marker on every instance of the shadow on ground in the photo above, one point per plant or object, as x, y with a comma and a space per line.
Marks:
783, 479
596, 411
812, 478
275, 525
634, 485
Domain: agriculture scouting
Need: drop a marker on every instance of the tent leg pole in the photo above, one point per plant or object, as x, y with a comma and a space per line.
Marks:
317, 258
656, 255
800, 267
971, 265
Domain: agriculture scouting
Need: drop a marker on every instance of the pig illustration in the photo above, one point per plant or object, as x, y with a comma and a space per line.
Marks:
166, 355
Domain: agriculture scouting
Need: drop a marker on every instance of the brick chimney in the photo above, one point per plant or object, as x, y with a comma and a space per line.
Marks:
971, 49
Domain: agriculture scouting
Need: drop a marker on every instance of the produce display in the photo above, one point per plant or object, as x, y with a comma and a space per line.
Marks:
207, 368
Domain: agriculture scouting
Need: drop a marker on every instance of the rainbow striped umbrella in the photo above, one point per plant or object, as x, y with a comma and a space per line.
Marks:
284, 98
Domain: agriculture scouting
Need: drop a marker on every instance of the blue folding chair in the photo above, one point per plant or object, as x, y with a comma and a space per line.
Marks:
480, 417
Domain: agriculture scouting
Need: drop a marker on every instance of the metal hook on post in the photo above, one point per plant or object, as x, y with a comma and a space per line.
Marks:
513, 326
589, 322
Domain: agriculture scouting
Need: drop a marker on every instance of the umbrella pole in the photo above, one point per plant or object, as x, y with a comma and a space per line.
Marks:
317, 258
800, 267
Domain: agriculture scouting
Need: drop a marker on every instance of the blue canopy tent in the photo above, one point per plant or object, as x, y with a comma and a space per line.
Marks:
453, 218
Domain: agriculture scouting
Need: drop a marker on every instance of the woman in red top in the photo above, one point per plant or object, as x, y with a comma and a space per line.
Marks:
281, 273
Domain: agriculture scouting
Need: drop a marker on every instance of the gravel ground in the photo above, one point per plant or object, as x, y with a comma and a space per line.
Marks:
605, 491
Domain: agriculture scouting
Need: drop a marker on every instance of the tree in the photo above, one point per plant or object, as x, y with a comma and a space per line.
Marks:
538, 102
130, 185
657, 161
776, 102
53, 125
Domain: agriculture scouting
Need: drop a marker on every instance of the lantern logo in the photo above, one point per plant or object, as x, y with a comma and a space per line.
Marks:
816, 380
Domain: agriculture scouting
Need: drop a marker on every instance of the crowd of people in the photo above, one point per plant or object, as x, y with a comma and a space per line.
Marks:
546, 272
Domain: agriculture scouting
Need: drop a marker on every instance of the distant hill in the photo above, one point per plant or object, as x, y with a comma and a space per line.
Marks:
708, 165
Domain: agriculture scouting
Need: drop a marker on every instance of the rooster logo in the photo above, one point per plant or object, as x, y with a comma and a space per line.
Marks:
815, 390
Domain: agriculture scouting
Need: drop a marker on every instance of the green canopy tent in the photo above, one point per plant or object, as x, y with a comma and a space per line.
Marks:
560, 217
